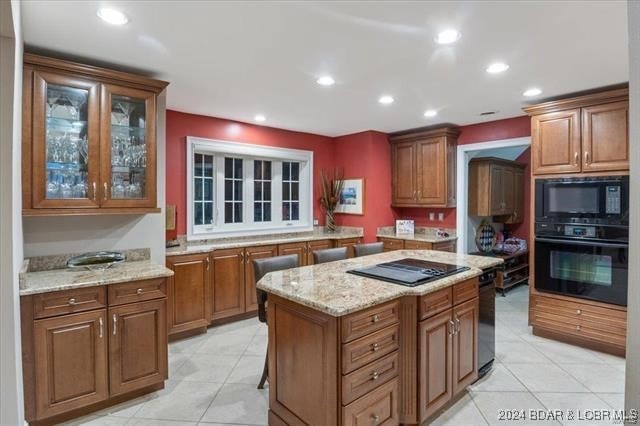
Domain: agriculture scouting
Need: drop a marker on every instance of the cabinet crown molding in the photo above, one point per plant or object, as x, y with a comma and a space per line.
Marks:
423, 133
93, 72
595, 98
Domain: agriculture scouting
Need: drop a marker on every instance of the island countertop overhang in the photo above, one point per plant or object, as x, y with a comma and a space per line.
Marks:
328, 288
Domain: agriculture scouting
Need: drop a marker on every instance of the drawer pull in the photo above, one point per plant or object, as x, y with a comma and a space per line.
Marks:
139, 291
72, 301
115, 324
375, 347
578, 311
578, 327
375, 418
375, 375
101, 327
376, 318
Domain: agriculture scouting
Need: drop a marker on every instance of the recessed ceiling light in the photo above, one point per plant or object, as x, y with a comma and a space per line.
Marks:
497, 68
534, 91
259, 118
386, 99
430, 113
112, 16
326, 80
448, 36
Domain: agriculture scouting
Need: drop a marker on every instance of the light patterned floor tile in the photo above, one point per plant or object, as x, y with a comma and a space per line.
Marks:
520, 352
248, 370
186, 401
498, 379
238, 403
577, 403
545, 378
493, 405
229, 343
463, 413
202, 367
599, 378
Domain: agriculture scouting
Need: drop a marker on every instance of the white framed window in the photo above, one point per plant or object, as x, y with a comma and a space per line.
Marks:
237, 189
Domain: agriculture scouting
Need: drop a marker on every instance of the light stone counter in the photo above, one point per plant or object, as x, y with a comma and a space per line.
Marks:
66, 279
328, 288
193, 247
428, 235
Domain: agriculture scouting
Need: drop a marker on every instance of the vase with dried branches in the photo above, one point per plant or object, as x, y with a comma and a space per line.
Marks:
331, 189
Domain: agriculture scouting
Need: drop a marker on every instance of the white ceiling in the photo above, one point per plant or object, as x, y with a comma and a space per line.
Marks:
237, 59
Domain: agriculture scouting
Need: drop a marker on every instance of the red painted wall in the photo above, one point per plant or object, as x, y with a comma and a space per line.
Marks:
180, 125
367, 155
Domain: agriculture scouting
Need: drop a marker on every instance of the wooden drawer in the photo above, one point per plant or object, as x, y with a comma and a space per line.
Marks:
392, 244
464, 291
449, 246
436, 302
369, 320
379, 407
578, 319
137, 291
68, 301
369, 348
417, 245
364, 379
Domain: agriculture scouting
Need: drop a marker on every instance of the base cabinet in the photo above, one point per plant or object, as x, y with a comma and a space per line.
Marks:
436, 359
251, 254
137, 346
77, 359
228, 283
71, 362
189, 293
465, 344
391, 244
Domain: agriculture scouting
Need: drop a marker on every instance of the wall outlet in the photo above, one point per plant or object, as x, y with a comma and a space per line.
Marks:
440, 216
432, 216
315, 222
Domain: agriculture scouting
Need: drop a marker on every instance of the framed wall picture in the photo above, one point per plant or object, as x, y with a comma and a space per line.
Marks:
352, 197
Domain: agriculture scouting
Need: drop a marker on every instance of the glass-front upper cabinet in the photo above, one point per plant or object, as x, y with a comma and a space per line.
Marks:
65, 142
128, 147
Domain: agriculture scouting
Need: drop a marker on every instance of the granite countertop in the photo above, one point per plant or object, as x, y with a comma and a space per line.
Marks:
193, 247
329, 289
421, 234
66, 279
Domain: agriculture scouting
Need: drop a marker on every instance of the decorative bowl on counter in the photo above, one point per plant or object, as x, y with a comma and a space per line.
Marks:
95, 261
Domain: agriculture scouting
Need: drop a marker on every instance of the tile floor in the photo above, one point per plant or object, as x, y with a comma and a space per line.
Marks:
213, 379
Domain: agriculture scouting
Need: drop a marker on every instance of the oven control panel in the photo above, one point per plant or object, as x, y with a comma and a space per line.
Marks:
613, 199
580, 231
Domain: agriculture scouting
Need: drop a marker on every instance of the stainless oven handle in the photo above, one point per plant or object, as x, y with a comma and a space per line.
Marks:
582, 243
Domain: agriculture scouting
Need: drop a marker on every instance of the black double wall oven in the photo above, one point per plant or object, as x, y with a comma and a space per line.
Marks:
582, 237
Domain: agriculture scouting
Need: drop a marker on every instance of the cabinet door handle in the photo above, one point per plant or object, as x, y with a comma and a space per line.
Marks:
375, 318
139, 291
578, 327
576, 157
451, 328
115, 324
207, 261
72, 301
101, 327
578, 311
106, 189
375, 418
375, 347
241, 257
95, 192
586, 157
457, 326
375, 375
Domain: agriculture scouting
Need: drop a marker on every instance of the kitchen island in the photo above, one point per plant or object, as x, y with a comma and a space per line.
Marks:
349, 350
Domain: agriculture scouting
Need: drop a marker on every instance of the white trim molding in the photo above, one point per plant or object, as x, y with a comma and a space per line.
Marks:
220, 149
462, 179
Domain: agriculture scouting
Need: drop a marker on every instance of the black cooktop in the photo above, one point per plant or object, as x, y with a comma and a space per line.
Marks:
409, 272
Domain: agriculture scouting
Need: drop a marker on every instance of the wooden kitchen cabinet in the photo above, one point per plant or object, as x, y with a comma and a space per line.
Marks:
348, 243
317, 245
299, 249
465, 342
496, 187
605, 137
447, 345
137, 345
228, 282
585, 134
391, 244
71, 362
82, 350
517, 215
436, 360
88, 141
251, 254
189, 293
423, 165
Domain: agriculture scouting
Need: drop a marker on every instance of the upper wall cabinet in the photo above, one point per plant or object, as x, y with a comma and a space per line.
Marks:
581, 135
89, 139
423, 164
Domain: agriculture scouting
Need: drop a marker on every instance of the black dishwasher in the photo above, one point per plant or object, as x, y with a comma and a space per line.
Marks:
487, 324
